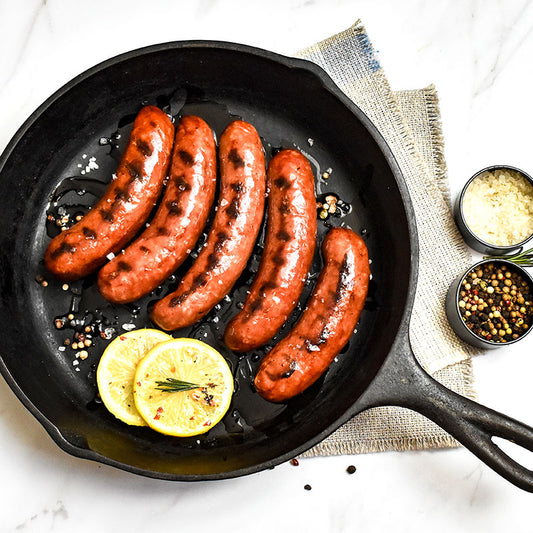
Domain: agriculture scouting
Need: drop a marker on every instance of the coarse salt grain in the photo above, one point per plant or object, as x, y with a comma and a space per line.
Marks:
498, 207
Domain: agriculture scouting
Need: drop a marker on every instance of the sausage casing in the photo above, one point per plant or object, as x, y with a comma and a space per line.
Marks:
178, 222
233, 233
124, 207
288, 253
327, 323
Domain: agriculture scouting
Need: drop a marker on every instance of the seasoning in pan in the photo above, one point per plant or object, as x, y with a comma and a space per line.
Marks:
495, 302
351, 469
329, 204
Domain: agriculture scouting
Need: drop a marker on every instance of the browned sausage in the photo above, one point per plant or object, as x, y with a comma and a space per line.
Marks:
327, 323
126, 204
232, 236
179, 220
287, 256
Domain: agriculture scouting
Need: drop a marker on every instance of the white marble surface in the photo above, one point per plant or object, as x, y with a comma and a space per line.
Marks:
478, 54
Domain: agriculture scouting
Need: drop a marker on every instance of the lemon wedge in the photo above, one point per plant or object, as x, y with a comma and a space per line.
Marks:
116, 371
182, 387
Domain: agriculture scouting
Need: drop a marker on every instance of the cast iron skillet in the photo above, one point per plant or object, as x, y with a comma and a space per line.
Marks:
291, 103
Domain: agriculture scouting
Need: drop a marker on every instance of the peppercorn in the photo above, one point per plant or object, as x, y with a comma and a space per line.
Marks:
494, 288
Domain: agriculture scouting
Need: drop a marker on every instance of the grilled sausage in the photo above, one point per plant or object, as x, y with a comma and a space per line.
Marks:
179, 220
232, 236
125, 205
287, 256
327, 323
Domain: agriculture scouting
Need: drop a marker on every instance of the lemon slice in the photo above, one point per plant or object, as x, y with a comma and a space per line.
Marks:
176, 365
116, 371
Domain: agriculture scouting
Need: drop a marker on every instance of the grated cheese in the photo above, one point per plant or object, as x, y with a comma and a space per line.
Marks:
498, 207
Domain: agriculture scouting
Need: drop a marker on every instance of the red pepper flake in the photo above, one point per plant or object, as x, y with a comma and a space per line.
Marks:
207, 423
123, 337
138, 383
158, 413
294, 462
192, 418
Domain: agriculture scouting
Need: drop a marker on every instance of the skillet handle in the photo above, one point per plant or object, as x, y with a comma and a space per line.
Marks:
403, 382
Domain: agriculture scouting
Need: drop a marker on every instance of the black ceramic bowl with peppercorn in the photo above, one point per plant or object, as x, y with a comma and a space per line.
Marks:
491, 305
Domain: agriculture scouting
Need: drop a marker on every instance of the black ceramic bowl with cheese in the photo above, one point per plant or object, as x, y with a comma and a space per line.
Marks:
494, 211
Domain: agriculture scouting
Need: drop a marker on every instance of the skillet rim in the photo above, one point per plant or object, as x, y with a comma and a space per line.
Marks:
290, 62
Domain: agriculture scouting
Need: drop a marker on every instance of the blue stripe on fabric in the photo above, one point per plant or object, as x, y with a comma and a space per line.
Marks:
368, 51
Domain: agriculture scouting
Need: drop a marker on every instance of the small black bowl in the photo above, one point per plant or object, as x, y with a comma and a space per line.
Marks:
454, 314
469, 236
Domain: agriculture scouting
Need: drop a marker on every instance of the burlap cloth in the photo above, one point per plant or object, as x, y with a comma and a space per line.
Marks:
410, 123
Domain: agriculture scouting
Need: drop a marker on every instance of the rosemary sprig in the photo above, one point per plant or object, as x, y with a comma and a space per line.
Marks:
523, 258
176, 385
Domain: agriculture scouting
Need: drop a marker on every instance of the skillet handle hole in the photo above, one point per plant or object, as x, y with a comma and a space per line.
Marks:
516, 452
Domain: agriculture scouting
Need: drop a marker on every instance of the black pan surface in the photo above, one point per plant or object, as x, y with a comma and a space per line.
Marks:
59, 162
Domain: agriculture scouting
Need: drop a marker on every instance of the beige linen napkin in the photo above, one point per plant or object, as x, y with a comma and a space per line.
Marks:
410, 123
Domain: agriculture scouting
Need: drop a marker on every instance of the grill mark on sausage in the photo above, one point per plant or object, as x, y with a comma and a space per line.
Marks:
178, 300
235, 158
173, 208
285, 206
213, 261
282, 183
310, 346
256, 304
161, 230
222, 237
186, 157
345, 276
282, 235
144, 249
63, 248
293, 365
181, 184
134, 169
237, 187
89, 233
106, 215
278, 260
112, 275
322, 335
124, 266
122, 194
269, 285
199, 281
144, 147
233, 209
